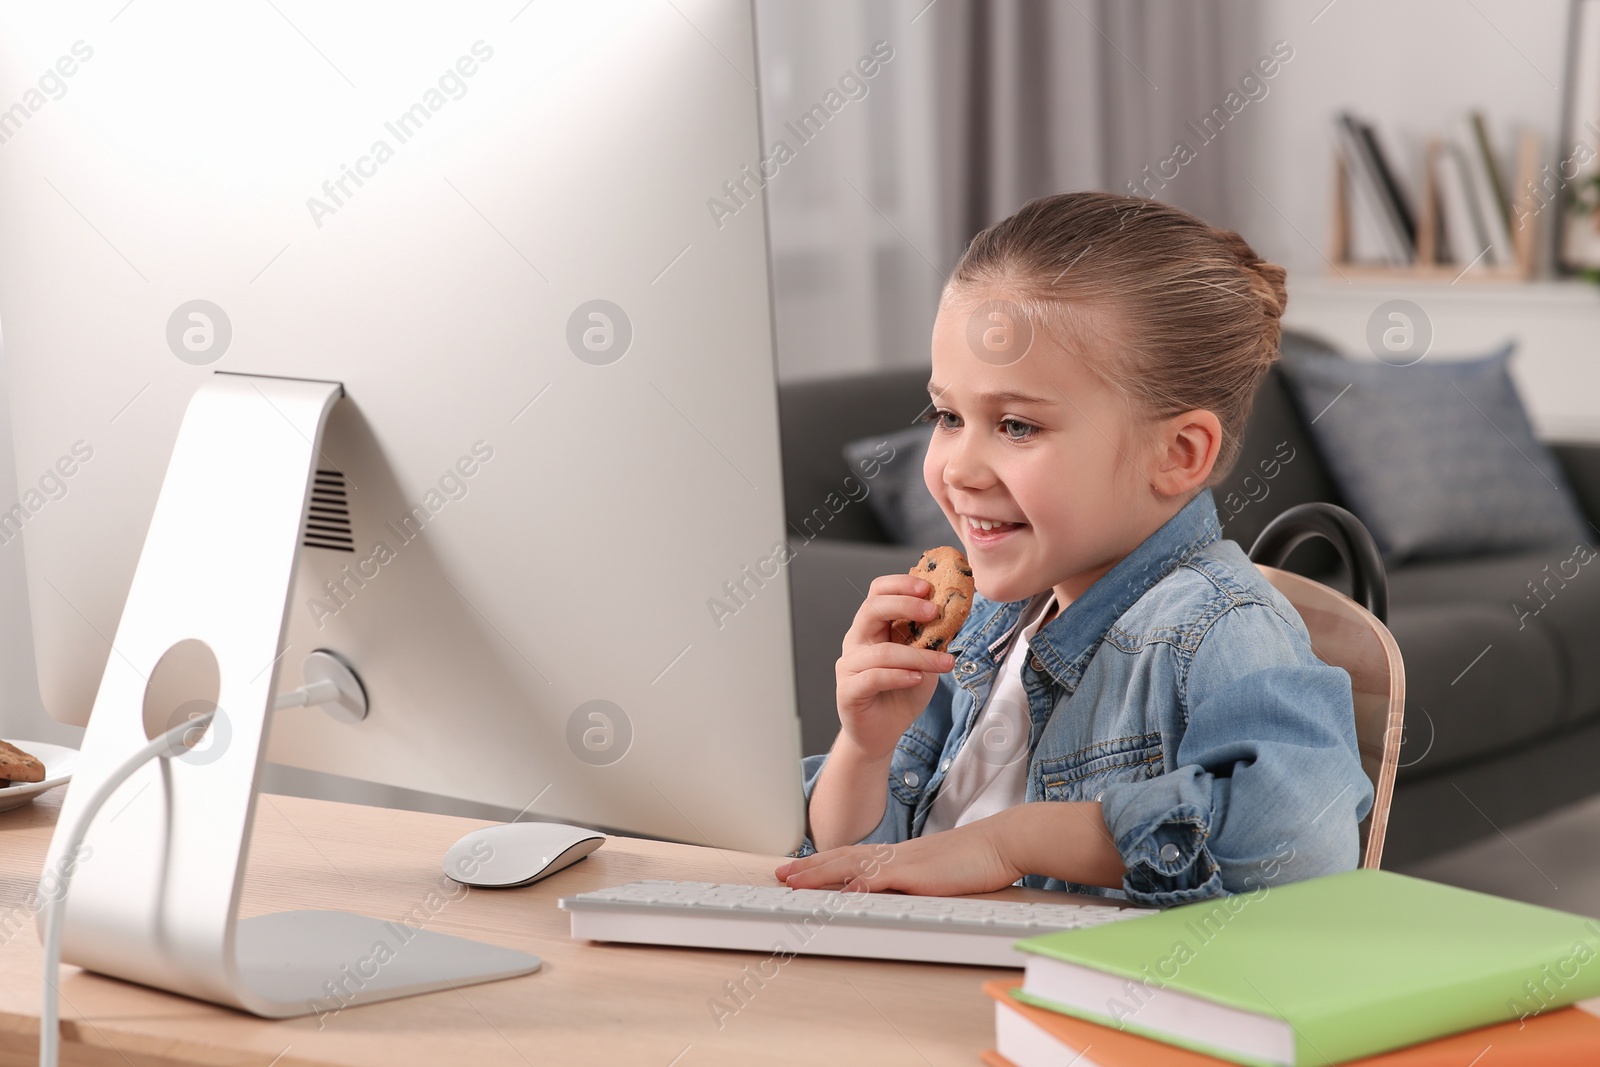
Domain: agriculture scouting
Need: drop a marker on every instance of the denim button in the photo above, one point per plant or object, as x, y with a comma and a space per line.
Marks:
1098, 795
968, 668
1037, 664
1169, 851
910, 778
945, 766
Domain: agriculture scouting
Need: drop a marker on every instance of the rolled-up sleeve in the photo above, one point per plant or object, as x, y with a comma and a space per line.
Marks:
892, 828
1267, 785
916, 753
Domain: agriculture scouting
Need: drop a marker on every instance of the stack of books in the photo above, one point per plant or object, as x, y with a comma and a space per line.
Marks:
1364, 967
1462, 183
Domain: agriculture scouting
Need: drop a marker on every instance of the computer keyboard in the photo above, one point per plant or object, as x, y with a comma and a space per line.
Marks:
890, 926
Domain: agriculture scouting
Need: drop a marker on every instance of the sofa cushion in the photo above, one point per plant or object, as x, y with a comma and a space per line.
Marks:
1548, 596
815, 420
1437, 458
1476, 686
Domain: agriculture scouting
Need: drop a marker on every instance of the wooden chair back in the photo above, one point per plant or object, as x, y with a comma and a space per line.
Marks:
1347, 635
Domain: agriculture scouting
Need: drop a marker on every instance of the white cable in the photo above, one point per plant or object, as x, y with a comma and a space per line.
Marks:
166, 746
323, 691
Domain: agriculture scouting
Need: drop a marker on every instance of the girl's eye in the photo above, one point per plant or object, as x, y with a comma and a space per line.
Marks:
946, 420
1016, 429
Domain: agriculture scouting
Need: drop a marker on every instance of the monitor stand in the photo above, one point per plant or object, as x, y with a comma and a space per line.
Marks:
155, 892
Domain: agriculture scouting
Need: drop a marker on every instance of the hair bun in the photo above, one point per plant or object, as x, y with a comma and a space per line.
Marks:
1269, 281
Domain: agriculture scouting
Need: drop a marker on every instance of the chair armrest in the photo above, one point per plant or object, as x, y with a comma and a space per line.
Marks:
1369, 582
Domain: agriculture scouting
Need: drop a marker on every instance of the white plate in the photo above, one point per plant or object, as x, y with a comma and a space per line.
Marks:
59, 763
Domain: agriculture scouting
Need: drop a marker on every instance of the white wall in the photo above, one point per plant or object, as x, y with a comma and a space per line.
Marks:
1413, 68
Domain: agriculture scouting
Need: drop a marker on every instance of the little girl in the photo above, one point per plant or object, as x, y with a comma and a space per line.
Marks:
1130, 709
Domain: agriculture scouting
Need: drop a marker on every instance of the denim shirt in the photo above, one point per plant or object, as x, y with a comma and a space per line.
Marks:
1181, 692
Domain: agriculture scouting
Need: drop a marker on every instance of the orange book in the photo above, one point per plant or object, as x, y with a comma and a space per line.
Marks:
1569, 1037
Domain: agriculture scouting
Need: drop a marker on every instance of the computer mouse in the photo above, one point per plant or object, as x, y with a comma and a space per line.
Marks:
518, 853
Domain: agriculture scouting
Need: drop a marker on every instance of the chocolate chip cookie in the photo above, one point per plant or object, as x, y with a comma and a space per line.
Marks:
17, 766
951, 577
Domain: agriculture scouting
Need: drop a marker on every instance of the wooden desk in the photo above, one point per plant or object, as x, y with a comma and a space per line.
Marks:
590, 1003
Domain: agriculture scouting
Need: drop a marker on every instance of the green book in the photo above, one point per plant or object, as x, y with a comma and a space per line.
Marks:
1318, 972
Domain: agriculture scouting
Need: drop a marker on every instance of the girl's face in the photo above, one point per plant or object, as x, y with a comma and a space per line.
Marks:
1035, 445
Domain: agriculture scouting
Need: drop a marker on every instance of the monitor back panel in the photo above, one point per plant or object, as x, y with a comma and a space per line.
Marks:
559, 565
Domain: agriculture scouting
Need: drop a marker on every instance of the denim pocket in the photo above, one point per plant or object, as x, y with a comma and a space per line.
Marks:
911, 766
1084, 775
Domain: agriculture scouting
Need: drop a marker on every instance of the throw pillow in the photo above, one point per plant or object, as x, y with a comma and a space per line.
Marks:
1437, 458
898, 496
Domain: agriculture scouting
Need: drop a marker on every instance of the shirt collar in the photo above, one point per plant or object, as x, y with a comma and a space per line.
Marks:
1065, 645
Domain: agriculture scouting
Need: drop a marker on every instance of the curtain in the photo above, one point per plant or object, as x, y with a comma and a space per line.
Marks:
983, 105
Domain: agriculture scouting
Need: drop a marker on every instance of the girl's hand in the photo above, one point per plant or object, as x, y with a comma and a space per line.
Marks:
966, 859
883, 685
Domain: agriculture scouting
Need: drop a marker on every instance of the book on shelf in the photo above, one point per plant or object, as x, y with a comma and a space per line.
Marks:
1491, 162
1388, 180
1375, 211
1488, 189
1458, 217
1466, 236
1026, 1036
1321, 971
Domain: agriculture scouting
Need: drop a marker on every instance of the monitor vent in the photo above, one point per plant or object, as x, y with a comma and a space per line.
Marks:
328, 521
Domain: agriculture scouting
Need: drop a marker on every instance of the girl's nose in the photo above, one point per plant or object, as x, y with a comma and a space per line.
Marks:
966, 464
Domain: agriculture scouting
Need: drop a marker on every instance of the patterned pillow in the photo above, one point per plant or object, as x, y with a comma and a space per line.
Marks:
899, 497
1437, 458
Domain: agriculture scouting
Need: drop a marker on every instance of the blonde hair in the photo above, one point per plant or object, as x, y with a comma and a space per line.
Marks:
1193, 311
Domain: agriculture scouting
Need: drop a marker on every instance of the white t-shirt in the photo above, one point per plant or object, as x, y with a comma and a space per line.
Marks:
990, 771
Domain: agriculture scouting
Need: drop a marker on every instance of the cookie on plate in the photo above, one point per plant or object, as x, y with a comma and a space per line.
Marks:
951, 577
17, 766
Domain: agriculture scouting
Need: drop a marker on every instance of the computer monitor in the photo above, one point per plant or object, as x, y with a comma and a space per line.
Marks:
465, 319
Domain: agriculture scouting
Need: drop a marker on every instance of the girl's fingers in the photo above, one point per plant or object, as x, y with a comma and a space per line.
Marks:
892, 606
908, 584
894, 654
834, 867
861, 687
867, 883
880, 611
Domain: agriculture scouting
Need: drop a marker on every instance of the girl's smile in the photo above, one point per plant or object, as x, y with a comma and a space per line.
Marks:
987, 533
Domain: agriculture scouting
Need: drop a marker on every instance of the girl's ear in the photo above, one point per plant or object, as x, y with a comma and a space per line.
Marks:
1189, 445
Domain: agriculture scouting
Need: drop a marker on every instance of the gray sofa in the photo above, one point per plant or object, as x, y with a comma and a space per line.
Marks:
1502, 708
